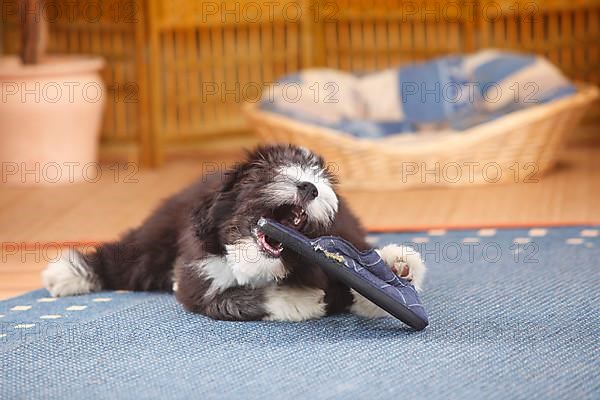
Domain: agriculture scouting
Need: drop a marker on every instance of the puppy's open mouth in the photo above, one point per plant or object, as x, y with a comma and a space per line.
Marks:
292, 216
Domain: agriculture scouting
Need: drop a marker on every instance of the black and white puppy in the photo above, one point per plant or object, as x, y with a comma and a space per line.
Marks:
203, 243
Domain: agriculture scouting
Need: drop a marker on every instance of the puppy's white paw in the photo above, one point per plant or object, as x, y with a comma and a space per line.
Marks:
294, 304
405, 262
69, 276
363, 307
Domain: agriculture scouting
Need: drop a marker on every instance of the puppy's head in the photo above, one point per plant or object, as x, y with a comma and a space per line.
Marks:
286, 183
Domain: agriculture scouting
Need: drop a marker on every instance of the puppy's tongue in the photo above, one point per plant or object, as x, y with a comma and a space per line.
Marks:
270, 246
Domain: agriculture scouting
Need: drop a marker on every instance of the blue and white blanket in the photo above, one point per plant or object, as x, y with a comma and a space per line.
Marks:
448, 93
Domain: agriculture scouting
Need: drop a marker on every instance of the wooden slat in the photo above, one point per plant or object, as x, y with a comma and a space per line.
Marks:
579, 50
356, 44
227, 90
368, 38
208, 74
393, 42
182, 82
170, 103
344, 41
267, 51
278, 46
566, 33
196, 114
593, 24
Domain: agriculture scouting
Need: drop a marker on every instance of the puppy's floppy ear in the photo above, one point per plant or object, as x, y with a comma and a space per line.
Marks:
208, 220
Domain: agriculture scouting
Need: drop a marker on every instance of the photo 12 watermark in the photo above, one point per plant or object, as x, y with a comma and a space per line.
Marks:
72, 11
468, 172
52, 92
67, 172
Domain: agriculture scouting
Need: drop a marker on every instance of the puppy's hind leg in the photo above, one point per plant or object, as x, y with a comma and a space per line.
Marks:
406, 263
241, 303
284, 303
118, 265
70, 275
273, 302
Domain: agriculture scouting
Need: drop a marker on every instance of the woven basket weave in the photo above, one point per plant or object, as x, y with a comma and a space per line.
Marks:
517, 147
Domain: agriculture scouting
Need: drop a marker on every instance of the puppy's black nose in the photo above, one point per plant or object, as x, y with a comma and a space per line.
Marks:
307, 191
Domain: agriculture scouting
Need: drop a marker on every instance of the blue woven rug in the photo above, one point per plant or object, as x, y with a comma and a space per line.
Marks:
514, 314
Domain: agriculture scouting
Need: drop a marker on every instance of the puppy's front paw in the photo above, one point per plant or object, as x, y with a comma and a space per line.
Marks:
405, 262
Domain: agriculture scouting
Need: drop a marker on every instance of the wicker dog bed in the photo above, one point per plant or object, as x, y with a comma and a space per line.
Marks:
516, 147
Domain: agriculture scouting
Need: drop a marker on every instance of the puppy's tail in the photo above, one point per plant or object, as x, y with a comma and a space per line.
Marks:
112, 266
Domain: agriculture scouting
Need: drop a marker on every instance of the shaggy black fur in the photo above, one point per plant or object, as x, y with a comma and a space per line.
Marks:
201, 220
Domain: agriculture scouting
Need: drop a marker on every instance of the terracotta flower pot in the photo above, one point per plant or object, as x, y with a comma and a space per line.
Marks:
50, 117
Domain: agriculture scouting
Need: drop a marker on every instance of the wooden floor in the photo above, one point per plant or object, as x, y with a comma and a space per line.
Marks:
33, 221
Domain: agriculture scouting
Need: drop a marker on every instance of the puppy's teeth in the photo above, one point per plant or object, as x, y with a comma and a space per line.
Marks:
297, 221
